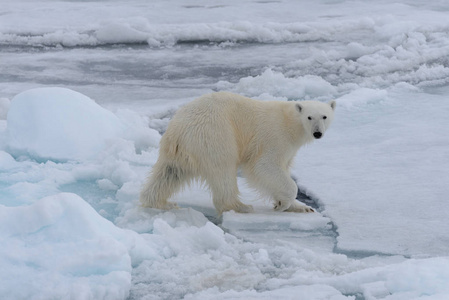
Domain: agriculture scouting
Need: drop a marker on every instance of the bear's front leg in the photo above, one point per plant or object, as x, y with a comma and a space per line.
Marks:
283, 190
268, 176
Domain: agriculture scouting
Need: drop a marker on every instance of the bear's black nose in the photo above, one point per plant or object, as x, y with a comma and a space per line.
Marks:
317, 134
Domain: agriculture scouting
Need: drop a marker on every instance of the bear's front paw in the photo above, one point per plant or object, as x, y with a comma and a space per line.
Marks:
300, 208
281, 205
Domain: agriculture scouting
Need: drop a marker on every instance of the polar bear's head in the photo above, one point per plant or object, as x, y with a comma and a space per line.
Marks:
316, 116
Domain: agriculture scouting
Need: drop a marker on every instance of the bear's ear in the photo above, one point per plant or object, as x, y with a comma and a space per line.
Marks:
333, 104
299, 107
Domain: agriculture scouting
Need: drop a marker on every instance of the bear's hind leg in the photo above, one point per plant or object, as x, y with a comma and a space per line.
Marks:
164, 181
225, 192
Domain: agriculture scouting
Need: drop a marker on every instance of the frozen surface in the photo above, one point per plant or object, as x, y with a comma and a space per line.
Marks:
87, 89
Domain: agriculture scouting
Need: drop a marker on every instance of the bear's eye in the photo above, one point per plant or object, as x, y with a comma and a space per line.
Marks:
324, 117
310, 118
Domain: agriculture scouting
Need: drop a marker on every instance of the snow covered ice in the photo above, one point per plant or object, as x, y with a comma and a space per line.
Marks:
66, 124
88, 88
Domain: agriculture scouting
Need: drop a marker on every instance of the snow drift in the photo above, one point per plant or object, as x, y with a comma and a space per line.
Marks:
60, 124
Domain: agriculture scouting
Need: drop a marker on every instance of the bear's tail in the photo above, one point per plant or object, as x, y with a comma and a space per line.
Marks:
164, 181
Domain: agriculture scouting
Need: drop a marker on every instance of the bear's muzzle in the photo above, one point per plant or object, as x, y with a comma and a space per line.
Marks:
317, 135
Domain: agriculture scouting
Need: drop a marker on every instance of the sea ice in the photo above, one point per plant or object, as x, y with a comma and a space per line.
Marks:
276, 85
155, 254
59, 247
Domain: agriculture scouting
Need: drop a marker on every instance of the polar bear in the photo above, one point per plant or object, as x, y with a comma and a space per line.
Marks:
211, 137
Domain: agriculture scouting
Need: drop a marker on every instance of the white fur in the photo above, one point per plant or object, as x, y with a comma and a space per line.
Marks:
211, 137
